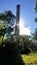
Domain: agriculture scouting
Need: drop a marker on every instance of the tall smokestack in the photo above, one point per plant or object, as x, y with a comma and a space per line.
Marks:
17, 23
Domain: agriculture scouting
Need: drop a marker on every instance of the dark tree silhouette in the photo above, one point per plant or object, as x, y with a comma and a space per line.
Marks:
36, 11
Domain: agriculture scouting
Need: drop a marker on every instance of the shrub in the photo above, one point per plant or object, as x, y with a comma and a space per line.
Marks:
26, 51
9, 55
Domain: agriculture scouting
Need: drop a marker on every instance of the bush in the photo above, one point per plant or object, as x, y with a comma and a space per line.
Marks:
9, 55
26, 51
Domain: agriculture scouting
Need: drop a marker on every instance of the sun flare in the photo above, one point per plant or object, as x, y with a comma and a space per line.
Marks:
22, 29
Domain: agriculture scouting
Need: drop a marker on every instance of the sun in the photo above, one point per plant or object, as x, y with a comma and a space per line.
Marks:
22, 29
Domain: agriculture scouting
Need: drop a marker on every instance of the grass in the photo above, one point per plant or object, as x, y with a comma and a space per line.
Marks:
31, 58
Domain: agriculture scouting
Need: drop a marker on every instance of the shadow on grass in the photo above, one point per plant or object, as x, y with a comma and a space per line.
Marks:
9, 55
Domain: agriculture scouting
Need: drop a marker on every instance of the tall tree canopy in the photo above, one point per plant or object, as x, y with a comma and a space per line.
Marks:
6, 29
36, 6
36, 10
35, 35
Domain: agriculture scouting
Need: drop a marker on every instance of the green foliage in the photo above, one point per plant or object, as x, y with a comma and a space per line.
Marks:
35, 35
27, 42
35, 19
31, 58
36, 10
8, 49
9, 55
5, 31
36, 6
1, 40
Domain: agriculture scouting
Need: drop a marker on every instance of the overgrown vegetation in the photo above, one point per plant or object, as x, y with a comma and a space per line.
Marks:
10, 53
8, 50
31, 58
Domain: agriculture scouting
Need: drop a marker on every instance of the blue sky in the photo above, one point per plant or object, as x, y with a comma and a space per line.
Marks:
27, 12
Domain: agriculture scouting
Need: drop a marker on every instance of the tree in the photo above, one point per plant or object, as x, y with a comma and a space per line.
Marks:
36, 6
9, 53
36, 10
24, 43
5, 27
35, 35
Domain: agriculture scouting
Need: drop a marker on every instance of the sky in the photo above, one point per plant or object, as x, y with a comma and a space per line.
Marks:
27, 14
